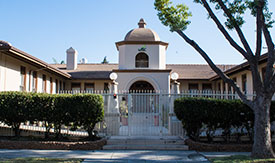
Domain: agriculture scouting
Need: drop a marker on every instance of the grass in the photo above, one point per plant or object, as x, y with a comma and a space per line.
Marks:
40, 160
240, 159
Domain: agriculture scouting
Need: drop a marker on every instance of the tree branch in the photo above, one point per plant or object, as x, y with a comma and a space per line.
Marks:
259, 24
223, 30
215, 68
270, 61
239, 31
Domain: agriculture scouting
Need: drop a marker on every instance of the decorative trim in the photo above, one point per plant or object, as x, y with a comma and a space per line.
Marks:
142, 70
141, 43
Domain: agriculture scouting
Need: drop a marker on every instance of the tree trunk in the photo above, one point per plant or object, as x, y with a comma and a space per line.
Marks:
262, 147
16, 129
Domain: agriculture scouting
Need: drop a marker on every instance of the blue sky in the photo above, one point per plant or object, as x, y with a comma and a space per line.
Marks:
46, 29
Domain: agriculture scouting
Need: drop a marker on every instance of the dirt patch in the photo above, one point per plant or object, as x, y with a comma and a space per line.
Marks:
53, 145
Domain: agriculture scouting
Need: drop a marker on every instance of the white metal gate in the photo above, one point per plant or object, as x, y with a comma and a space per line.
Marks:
139, 114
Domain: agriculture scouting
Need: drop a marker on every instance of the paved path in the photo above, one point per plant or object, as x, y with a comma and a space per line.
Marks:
122, 156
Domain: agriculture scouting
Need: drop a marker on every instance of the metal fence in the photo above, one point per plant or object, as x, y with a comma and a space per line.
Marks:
139, 113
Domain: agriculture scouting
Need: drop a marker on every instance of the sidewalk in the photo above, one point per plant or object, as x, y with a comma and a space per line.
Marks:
119, 155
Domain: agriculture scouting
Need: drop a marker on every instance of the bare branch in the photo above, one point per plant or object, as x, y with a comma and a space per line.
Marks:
239, 31
270, 61
259, 24
215, 68
223, 30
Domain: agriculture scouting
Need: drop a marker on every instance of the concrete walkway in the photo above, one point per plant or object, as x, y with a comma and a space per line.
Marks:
119, 155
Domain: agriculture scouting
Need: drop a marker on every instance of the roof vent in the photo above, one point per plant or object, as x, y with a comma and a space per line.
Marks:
83, 61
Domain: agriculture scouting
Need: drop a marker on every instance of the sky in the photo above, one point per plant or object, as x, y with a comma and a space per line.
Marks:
47, 28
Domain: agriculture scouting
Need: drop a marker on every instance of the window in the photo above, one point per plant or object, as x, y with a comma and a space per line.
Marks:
106, 87
193, 86
244, 83
223, 88
51, 85
142, 60
56, 86
23, 78
34, 81
206, 86
64, 85
44, 84
219, 86
89, 87
60, 85
76, 87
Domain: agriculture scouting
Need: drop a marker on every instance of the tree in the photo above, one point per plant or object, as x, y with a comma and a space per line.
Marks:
176, 17
105, 60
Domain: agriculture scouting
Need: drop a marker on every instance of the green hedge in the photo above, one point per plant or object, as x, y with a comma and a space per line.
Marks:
205, 114
79, 110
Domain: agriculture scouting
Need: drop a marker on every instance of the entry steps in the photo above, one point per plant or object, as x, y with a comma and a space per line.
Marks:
145, 143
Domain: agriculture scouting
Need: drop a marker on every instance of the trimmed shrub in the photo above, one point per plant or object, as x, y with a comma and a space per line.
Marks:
93, 109
205, 114
55, 111
43, 110
14, 109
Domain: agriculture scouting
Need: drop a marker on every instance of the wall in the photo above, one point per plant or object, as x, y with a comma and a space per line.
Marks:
10, 77
156, 53
238, 76
184, 84
98, 84
159, 80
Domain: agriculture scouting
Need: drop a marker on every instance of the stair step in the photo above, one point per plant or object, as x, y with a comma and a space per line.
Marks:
145, 147
144, 142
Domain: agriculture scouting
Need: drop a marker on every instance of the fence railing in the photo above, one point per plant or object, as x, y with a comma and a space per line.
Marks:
161, 113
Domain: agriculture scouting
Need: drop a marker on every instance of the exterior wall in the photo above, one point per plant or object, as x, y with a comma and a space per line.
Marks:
10, 76
98, 84
159, 80
184, 84
156, 54
238, 76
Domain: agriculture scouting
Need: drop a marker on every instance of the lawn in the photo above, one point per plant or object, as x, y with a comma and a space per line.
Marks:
240, 159
38, 160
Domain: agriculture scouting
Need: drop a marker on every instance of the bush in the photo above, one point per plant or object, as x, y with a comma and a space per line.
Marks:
205, 114
14, 109
55, 111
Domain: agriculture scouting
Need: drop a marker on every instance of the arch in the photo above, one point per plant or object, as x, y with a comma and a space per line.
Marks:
143, 78
142, 86
142, 60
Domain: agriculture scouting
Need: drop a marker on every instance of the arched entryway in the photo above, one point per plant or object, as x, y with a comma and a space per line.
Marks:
142, 87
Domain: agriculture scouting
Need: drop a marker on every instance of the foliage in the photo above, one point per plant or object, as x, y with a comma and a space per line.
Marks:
55, 111
234, 12
205, 114
105, 60
93, 106
14, 109
176, 17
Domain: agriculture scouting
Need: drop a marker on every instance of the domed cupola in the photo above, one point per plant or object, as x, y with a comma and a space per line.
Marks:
142, 33
142, 49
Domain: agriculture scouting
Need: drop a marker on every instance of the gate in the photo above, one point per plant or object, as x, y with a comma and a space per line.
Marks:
138, 114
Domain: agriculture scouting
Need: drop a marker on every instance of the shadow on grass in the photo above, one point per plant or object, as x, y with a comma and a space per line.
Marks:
40, 160
240, 159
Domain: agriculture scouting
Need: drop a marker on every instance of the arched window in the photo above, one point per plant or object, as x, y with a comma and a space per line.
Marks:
142, 60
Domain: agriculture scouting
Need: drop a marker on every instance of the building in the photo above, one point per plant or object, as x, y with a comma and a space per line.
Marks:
142, 67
